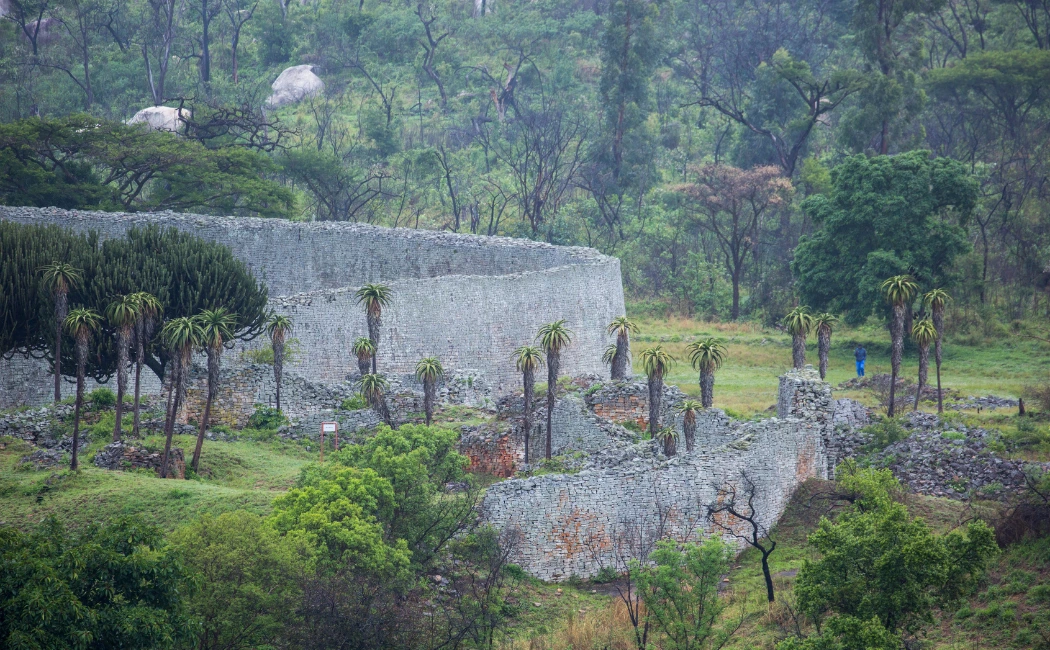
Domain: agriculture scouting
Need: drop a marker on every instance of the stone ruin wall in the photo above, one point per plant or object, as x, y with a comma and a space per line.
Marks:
469, 300
575, 524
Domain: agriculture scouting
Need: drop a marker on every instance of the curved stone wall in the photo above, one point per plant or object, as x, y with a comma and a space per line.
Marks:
469, 300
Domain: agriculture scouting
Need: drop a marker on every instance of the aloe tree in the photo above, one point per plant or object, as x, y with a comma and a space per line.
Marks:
799, 323
364, 349
216, 331
689, 408
429, 371
924, 334
707, 356
278, 328
937, 300
656, 362
181, 336
609, 355
374, 388
900, 291
622, 327
527, 359
374, 297
59, 278
553, 337
81, 324
148, 312
824, 323
122, 314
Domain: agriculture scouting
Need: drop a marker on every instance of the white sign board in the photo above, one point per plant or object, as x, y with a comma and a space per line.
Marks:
329, 427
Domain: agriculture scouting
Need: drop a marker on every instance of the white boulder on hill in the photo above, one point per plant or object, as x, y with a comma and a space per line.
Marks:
293, 85
160, 118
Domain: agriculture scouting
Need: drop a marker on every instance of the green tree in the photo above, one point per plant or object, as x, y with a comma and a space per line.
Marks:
937, 300
553, 337
527, 359
429, 371
900, 291
884, 216
706, 356
689, 408
924, 334
374, 297
60, 277
679, 587
799, 323
122, 314
881, 568
182, 336
148, 312
824, 323
81, 324
655, 363
374, 388
216, 332
622, 327
278, 328
105, 586
364, 349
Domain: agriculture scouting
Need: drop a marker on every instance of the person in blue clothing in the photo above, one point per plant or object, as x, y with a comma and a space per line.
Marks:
861, 355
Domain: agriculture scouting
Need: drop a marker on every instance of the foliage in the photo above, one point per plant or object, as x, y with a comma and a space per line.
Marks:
707, 355
107, 586
353, 403
266, 417
101, 398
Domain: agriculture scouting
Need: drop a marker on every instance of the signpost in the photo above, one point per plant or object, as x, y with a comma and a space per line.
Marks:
332, 428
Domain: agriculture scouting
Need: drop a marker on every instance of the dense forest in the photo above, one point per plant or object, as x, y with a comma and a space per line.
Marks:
739, 156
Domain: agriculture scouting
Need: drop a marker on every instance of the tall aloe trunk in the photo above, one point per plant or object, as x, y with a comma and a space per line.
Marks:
553, 362
278, 367
61, 311
529, 390
140, 351
214, 357
707, 387
896, 352
375, 321
689, 430
798, 350
656, 390
823, 348
123, 344
429, 393
938, 324
364, 364
174, 404
81, 351
623, 353
924, 369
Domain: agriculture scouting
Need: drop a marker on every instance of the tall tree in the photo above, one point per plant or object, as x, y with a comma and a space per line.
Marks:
429, 371
374, 297
937, 300
924, 334
622, 327
278, 328
216, 332
81, 324
364, 349
374, 388
206, 11
799, 323
656, 362
239, 12
148, 312
824, 323
181, 336
527, 359
706, 356
122, 315
159, 30
735, 512
553, 337
59, 278
689, 408
900, 291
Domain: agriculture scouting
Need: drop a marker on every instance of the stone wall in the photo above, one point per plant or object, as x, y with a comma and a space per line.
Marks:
468, 300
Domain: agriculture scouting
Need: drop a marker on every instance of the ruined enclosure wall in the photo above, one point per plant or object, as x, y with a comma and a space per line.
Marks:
468, 300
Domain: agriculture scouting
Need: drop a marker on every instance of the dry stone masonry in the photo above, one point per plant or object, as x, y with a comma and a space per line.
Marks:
468, 300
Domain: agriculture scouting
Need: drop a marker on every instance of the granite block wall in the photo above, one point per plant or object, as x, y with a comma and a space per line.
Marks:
469, 300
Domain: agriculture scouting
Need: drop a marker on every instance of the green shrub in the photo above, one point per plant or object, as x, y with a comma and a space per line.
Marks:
1018, 581
885, 432
606, 574
953, 435
1039, 595
1028, 435
266, 417
293, 350
102, 398
593, 389
259, 435
355, 403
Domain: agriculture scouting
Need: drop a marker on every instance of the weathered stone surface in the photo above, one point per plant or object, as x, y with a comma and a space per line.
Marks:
122, 455
293, 85
161, 118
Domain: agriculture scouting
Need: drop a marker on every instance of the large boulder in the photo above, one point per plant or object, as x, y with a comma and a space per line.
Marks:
293, 85
160, 118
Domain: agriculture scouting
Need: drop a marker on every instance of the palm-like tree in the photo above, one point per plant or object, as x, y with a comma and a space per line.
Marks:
707, 356
689, 408
799, 323
122, 314
824, 323
374, 388
527, 359
924, 334
622, 327
656, 362
59, 278
374, 297
364, 349
609, 356
81, 324
182, 336
216, 331
900, 291
278, 329
553, 337
937, 300
148, 311
429, 371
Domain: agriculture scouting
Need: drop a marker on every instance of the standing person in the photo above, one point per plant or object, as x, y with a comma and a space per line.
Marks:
861, 355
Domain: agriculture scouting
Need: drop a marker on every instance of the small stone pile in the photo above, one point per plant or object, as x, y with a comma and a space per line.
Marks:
121, 455
42, 459
35, 426
990, 402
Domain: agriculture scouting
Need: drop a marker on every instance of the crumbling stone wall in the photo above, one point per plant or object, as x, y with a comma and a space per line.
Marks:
468, 300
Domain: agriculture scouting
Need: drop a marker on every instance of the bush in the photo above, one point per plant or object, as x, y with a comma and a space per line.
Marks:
355, 403
1029, 435
885, 432
102, 398
266, 417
